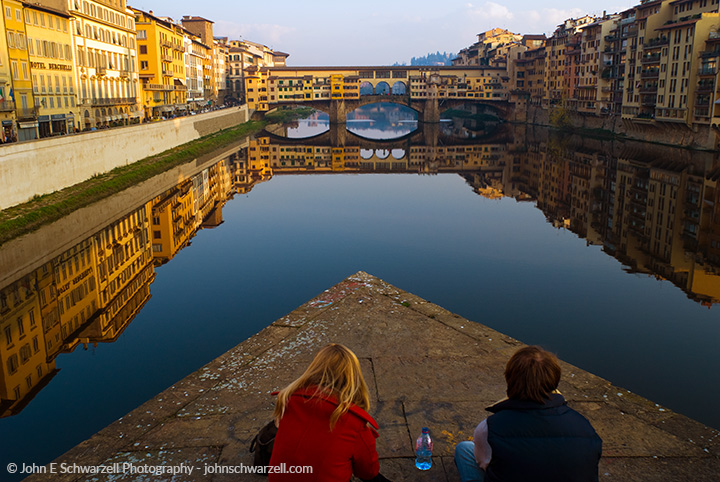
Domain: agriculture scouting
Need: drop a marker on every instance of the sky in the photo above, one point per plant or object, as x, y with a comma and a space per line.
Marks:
374, 32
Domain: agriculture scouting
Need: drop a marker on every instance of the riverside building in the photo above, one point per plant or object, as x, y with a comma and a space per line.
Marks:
7, 104
50, 48
106, 60
25, 105
162, 65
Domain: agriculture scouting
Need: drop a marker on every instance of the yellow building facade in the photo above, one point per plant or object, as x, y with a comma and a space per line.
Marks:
161, 56
105, 59
7, 104
172, 221
25, 364
50, 47
19, 61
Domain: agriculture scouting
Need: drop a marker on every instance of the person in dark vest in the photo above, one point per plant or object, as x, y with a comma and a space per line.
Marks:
532, 436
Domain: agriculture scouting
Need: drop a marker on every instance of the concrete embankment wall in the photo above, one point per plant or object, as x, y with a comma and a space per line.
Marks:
676, 134
26, 253
47, 165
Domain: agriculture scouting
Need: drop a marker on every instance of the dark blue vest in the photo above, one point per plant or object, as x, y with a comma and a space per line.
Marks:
541, 443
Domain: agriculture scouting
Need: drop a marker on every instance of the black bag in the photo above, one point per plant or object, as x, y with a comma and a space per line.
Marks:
262, 444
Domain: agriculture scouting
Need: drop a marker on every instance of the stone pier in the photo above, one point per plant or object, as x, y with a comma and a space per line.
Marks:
424, 365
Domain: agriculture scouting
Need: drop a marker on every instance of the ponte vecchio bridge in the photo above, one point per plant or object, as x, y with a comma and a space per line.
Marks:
340, 90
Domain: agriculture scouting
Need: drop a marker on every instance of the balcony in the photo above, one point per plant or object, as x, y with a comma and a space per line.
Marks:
705, 88
7, 106
648, 100
101, 70
650, 59
165, 43
27, 112
702, 112
650, 74
110, 101
707, 71
167, 58
157, 87
708, 54
648, 89
167, 73
179, 87
656, 42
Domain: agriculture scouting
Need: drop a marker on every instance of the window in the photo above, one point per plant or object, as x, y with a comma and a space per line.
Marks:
25, 353
141, 35
12, 364
142, 49
8, 336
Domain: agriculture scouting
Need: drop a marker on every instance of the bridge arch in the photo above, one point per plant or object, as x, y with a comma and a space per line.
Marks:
367, 153
382, 88
399, 88
382, 153
398, 153
366, 88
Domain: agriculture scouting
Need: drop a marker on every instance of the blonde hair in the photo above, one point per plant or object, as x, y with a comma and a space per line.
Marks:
335, 371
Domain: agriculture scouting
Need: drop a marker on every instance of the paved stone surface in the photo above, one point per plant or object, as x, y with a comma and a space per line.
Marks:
425, 367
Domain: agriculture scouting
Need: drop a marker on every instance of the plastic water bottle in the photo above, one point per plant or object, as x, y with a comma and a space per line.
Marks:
423, 450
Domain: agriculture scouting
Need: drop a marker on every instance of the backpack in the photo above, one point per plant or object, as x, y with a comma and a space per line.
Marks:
262, 444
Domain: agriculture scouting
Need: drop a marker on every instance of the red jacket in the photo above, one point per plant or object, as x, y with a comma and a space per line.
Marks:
304, 439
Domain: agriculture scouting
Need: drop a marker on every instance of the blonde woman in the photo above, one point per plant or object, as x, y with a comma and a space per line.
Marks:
323, 422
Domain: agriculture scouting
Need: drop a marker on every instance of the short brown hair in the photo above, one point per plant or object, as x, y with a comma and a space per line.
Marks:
532, 374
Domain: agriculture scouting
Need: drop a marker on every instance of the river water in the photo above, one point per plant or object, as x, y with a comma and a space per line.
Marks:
603, 252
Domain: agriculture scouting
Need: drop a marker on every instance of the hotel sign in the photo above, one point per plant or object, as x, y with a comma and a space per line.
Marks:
41, 65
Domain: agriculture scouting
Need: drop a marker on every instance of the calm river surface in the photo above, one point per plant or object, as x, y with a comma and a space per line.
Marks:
542, 238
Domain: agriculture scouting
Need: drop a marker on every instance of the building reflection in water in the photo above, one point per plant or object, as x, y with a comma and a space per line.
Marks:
654, 209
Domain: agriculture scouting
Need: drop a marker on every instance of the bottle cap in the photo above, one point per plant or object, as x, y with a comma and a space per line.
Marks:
425, 430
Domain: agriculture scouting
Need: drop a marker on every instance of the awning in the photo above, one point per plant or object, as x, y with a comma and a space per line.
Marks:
27, 125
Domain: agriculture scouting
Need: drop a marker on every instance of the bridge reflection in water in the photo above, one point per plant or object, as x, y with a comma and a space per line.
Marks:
656, 210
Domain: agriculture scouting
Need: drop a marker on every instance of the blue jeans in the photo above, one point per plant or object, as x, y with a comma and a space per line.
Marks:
466, 464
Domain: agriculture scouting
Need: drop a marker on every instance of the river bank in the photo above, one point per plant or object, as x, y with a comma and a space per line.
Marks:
41, 210
612, 126
35, 168
425, 366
